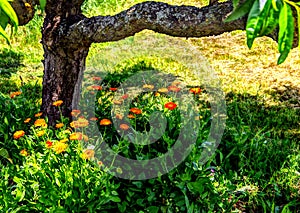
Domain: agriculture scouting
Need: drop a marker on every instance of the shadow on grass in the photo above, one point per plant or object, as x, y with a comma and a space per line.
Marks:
10, 61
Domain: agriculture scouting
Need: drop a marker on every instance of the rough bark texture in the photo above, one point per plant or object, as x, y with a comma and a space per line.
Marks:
67, 36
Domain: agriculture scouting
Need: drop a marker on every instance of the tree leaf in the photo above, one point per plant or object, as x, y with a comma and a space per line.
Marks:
286, 32
42, 4
271, 20
4, 154
3, 19
255, 19
3, 34
240, 11
9, 11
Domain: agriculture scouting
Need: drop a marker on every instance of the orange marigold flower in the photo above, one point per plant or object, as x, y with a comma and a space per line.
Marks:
105, 122
81, 122
124, 126
119, 116
27, 120
59, 125
57, 103
40, 133
100, 163
136, 111
118, 102
24, 152
125, 96
18, 134
173, 88
195, 90
64, 140
60, 147
97, 87
163, 90
170, 105
130, 116
113, 89
95, 78
49, 144
14, 94
75, 112
148, 86
157, 94
88, 154
40, 123
76, 136
38, 114
94, 119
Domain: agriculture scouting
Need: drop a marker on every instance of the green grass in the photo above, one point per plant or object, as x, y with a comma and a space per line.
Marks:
255, 169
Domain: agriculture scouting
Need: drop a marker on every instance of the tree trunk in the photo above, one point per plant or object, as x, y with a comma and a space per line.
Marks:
64, 63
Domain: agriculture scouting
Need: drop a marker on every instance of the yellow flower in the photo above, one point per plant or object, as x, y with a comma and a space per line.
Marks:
38, 114
40, 122
163, 90
148, 86
27, 120
24, 152
40, 133
88, 154
81, 122
64, 140
59, 125
60, 147
18, 134
57, 103
76, 136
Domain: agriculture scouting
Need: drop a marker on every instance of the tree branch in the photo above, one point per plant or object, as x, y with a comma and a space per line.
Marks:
180, 21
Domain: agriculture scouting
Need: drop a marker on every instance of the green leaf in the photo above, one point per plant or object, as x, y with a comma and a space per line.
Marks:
286, 32
240, 11
42, 4
4, 154
235, 3
271, 20
3, 33
255, 19
9, 11
3, 19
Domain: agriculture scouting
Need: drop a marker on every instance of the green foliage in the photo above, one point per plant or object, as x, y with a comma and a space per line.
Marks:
7, 14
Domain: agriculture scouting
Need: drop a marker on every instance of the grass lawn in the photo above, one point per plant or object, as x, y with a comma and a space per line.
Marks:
255, 168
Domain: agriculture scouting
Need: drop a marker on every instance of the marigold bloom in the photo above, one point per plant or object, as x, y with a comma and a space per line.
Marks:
49, 144
64, 140
195, 90
75, 112
24, 152
148, 86
81, 122
157, 94
163, 90
27, 120
125, 96
14, 94
38, 114
95, 78
59, 125
170, 105
40, 133
18, 134
60, 147
117, 102
76, 136
100, 163
113, 89
57, 103
173, 88
96, 87
93, 119
136, 111
119, 116
40, 123
88, 154
124, 126
105, 122
130, 116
